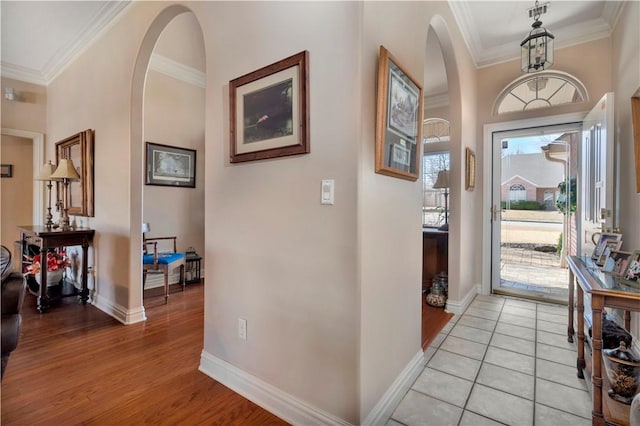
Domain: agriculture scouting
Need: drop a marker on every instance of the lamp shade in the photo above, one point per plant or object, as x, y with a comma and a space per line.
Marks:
146, 227
443, 180
46, 171
65, 170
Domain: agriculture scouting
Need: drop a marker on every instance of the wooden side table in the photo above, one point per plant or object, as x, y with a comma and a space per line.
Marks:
605, 290
47, 239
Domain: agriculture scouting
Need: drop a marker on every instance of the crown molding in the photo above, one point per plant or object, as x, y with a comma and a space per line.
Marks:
176, 70
25, 74
102, 21
465, 22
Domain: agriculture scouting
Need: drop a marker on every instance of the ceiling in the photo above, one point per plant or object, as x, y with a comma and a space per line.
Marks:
39, 38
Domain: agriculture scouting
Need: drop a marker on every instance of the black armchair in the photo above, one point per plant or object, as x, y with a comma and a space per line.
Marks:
14, 287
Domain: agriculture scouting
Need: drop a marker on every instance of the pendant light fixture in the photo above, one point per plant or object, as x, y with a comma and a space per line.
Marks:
537, 48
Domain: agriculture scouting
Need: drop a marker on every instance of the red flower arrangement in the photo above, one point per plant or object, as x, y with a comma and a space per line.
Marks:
56, 260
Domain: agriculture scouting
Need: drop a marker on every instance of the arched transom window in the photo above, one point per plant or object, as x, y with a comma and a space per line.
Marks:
540, 90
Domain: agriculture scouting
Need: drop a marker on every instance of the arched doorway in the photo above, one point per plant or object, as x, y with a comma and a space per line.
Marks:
139, 132
442, 101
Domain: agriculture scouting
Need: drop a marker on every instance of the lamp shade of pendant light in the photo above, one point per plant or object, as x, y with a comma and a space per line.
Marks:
537, 47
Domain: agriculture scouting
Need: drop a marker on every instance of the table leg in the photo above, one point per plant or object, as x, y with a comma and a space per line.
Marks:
84, 293
43, 298
597, 304
570, 330
580, 362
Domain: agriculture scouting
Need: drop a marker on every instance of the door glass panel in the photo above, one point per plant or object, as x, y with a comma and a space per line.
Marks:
534, 229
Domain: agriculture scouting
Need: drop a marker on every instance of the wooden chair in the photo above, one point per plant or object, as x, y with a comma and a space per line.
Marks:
155, 261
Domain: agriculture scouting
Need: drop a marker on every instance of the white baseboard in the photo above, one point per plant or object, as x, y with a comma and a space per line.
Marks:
459, 306
122, 314
267, 396
382, 411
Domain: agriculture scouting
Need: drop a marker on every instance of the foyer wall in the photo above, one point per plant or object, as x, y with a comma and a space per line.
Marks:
626, 83
390, 209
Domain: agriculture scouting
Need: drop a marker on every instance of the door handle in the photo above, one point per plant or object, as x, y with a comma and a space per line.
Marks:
495, 212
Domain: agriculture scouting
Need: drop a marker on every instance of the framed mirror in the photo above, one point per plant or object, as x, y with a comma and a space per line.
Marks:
79, 149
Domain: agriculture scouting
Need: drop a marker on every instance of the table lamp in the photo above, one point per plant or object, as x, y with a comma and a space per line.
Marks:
45, 175
66, 172
442, 182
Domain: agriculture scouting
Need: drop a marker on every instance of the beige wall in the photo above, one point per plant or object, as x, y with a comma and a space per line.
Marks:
17, 202
390, 209
29, 111
276, 256
626, 83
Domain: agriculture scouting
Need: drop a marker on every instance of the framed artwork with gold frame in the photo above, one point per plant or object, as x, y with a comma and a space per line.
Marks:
79, 149
398, 120
470, 170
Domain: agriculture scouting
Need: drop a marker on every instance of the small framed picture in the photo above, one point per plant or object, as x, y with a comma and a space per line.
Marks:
7, 170
170, 166
610, 245
632, 273
617, 262
602, 242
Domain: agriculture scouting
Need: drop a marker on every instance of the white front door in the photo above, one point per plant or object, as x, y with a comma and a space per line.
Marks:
596, 198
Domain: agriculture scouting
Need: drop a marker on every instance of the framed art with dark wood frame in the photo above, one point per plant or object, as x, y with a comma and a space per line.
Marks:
6, 170
170, 166
269, 111
635, 112
79, 149
470, 170
398, 119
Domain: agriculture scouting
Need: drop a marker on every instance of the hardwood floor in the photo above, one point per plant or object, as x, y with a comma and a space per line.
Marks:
77, 365
433, 320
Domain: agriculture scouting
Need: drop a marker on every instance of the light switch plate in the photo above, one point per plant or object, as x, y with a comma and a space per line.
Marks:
327, 191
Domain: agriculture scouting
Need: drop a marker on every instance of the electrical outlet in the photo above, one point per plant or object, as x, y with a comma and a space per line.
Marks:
242, 328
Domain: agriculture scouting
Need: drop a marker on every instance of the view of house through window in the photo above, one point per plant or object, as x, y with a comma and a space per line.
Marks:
535, 230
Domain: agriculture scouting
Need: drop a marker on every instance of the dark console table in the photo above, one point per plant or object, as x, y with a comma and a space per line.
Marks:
49, 238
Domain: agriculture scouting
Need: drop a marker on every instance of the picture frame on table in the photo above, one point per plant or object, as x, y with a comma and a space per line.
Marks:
168, 165
632, 272
399, 108
609, 246
269, 111
470, 170
79, 149
603, 240
617, 262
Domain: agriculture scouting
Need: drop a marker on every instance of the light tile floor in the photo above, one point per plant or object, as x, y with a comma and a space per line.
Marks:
505, 361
